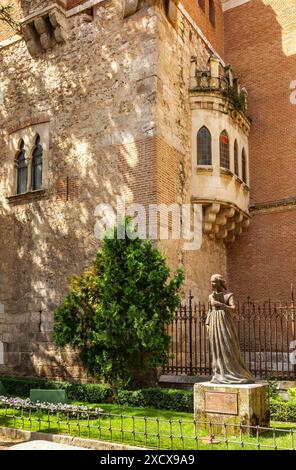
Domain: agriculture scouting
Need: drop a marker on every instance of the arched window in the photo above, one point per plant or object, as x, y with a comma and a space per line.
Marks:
37, 165
201, 3
22, 169
236, 158
212, 14
244, 166
224, 150
204, 146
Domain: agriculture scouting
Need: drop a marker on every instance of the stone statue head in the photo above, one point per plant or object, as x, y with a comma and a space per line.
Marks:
218, 282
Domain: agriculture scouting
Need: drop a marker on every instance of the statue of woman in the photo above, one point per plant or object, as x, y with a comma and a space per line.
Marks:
228, 366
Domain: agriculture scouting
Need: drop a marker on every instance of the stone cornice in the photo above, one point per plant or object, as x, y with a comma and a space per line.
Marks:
215, 101
230, 4
26, 197
271, 206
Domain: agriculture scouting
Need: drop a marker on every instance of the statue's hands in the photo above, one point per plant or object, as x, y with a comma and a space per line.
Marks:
215, 303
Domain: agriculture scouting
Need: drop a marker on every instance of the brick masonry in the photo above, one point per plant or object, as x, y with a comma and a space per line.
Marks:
139, 148
115, 98
260, 44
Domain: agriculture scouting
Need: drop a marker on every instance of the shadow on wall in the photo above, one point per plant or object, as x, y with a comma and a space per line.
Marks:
46, 240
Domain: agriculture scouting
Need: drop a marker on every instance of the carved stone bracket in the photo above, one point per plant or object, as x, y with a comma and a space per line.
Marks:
129, 7
224, 222
43, 31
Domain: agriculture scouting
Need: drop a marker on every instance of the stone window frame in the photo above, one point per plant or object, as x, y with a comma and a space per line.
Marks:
236, 157
37, 161
216, 123
244, 166
21, 164
224, 150
28, 134
208, 160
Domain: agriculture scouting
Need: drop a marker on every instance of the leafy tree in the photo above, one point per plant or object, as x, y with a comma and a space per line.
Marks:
6, 16
116, 313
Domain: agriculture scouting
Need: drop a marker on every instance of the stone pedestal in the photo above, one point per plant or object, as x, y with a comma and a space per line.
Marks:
234, 405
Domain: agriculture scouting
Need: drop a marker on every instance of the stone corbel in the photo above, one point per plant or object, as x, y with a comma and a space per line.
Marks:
59, 25
173, 12
129, 7
224, 222
42, 31
32, 40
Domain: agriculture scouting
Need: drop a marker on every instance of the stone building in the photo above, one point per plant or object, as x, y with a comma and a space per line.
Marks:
101, 99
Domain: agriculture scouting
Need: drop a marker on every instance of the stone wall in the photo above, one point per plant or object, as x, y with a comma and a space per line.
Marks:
113, 99
96, 152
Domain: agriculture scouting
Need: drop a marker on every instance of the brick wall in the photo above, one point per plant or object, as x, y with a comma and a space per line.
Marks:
262, 261
215, 34
255, 46
260, 45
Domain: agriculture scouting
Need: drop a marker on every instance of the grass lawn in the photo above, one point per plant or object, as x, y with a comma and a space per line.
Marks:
145, 427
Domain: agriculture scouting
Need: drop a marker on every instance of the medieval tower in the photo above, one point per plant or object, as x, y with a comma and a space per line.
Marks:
157, 102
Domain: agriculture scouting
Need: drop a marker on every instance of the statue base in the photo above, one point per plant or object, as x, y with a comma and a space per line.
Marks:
240, 407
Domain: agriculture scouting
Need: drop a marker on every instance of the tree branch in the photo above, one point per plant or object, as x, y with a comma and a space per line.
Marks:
6, 12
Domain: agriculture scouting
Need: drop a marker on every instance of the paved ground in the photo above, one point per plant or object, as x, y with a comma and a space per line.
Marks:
6, 443
43, 445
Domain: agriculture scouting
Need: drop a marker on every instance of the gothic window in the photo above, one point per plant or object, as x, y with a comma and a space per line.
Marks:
204, 147
236, 158
37, 165
212, 15
244, 166
224, 150
201, 3
22, 169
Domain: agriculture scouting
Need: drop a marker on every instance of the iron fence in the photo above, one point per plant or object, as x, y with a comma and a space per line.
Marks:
141, 431
266, 333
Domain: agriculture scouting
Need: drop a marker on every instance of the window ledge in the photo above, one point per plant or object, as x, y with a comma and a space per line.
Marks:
226, 172
238, 179
26, 197
204, 169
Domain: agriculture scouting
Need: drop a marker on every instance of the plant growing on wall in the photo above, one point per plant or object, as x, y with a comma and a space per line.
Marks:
238, 99
116, 313
6, 16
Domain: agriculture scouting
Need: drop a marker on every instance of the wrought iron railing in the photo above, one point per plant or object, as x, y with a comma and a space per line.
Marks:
266, 333
138, 430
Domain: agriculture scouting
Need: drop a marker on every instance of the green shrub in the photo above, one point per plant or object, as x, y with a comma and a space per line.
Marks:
117, 312
292, 393
159, 398
283, 411
93, 393
273, 389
